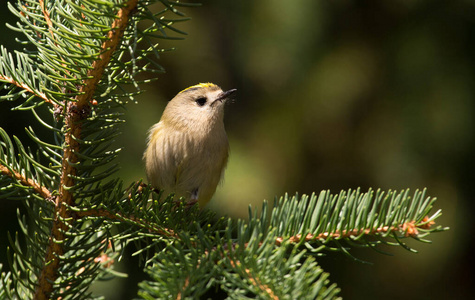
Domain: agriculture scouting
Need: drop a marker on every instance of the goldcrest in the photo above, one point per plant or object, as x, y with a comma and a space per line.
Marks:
187, 151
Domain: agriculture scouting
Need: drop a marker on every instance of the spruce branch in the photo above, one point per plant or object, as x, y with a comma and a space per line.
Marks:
408, 229
47, 17
254, 279
108, 48
103, 213
72, 86
322, 222
26, 88
41, 190
23, 172
76, 112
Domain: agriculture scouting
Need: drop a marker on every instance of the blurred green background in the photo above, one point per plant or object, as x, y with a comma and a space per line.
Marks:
331, 95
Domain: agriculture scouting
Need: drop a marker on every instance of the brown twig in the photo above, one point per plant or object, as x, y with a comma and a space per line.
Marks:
26, 88
187, 282
75, 113
47, 17
39, 189
109, 46
409, 228
115, 216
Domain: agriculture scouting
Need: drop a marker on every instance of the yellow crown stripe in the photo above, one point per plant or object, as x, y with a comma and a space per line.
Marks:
199, 85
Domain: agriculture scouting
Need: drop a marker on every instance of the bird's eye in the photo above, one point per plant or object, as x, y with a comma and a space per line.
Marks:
201, 101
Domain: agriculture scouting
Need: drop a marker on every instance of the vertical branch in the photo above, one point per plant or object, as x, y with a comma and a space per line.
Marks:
108, 46
76, 112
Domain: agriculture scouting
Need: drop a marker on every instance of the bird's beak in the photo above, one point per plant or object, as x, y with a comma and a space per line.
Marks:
225, 95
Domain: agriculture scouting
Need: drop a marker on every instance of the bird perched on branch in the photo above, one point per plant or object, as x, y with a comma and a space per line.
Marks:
187, 150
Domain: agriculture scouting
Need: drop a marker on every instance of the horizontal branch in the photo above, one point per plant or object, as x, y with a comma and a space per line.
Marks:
39, 189
409, 228
115, 216
26, 88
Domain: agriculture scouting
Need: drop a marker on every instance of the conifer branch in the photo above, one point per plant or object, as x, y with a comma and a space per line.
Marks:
187, 282
47, 17
41, 190
109, 46
76, 112
26, 88
131, 219
410, 229
255, 281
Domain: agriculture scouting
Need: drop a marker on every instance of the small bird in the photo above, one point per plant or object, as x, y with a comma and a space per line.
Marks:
187, 151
